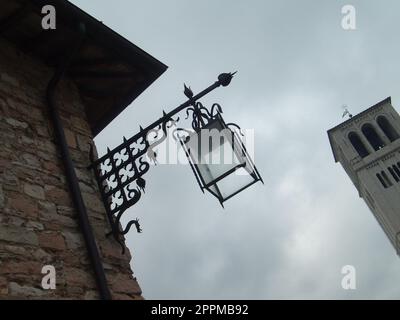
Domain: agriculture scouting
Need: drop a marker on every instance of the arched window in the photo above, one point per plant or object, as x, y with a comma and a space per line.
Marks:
372, 137
387, 128
358, 144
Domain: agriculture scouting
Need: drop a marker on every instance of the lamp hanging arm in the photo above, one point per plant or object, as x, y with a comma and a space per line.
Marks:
125, 191
224, 80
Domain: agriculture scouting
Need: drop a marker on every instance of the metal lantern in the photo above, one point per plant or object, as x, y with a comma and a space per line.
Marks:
220, 160
216, 154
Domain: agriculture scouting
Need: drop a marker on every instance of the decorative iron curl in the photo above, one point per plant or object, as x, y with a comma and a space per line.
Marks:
236, 128
201, 115
167, 124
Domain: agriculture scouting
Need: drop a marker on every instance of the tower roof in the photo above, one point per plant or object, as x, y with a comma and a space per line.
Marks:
109, 71
352, 119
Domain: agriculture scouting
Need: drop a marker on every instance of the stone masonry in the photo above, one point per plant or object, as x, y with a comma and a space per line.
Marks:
38, 223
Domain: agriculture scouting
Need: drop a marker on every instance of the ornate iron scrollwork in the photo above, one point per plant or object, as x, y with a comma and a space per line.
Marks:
119, 173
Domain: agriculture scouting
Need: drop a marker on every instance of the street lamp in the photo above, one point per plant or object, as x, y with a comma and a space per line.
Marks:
219, 159
215, 151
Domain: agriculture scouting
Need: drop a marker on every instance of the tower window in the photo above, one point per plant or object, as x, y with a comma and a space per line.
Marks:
372, 137
396, 170
393, 173
381, 180
384, 179
358, 144
387, 128
387, 179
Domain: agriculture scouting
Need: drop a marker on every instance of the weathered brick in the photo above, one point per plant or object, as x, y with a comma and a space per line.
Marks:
7, 78
73, 240
93, 202
25, 108
15, 221
26, 141
91, 295
33, 225
21, 203
54, 180
125, 284
42, 131
10, 181
24, 267
84, 142
31, 160
16, 124
80, 159
42, 255
58, 196
35, 114
35, 191
86, 188
24, 291
75, 276
17, 250
3, 286
1, 197
108, 266
47, 207
80, 125
112, 249
4, 164
29, 174
3, 106
46, 146
56, 221
52, 167
51, 240
49, 156
66, 211
98, 216
18, 235
85, 175
75, 291
71, 139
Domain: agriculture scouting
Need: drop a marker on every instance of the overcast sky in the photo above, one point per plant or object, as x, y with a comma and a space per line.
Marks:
296, 68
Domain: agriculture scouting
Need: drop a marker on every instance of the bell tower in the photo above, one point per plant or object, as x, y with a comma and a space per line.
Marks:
368, 147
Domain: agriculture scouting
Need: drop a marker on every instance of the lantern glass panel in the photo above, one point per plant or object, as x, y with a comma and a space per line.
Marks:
220, 161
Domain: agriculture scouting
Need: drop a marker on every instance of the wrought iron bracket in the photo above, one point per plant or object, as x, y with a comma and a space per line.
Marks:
119, 173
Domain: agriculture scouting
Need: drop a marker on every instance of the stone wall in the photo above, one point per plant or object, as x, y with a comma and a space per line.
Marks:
38, 223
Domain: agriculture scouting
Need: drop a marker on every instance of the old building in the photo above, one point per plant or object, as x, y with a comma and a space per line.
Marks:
368, 147
58, 89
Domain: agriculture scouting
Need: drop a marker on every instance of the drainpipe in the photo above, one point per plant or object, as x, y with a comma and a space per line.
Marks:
72, 180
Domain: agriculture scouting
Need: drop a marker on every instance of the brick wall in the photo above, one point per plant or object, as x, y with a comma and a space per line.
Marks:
38, 223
